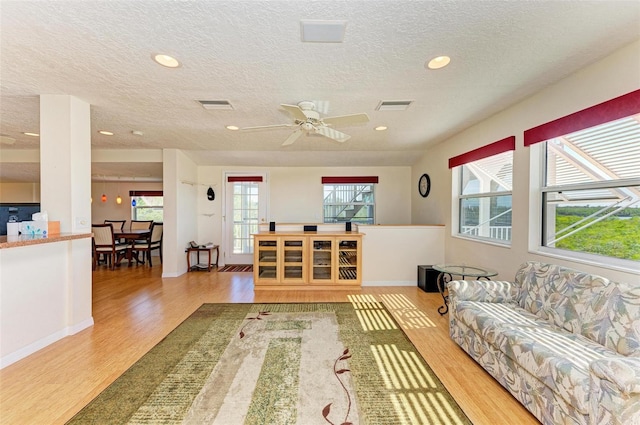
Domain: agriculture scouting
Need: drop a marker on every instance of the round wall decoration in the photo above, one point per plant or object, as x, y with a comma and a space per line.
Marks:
424, 185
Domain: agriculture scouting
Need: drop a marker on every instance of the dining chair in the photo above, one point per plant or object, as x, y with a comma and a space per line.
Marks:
145, 247
141, 224
117, 224
104, 243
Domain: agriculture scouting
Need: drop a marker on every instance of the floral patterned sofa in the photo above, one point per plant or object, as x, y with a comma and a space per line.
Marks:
566, 344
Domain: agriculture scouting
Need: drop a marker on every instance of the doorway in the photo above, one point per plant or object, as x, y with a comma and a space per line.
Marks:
246, 208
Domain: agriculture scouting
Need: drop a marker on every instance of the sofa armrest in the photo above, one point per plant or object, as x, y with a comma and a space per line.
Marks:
482, 290
624, 372
615, 391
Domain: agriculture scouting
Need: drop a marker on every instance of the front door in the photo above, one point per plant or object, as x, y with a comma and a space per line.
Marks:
246, 207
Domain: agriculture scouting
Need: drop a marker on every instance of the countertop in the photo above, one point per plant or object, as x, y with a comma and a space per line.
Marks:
26, 240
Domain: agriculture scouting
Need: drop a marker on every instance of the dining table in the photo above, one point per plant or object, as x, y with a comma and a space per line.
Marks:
130, 236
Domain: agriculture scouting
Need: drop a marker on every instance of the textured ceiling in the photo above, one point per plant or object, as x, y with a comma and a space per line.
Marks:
251, 54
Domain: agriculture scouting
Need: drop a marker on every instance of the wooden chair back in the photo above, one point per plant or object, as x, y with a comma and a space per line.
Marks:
141, 224
117, 224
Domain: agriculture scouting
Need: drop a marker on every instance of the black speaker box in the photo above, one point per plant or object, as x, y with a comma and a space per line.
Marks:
428, 278
347, 226
272, 226
310, 228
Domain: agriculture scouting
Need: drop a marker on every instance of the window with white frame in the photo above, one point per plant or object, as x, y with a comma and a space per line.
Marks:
591, 190
484, 197
349, 199
147, 205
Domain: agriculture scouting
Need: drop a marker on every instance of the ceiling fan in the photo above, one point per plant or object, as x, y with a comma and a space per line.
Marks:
307, 120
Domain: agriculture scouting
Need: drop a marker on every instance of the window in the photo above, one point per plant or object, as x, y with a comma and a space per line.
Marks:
484, 178
147, 205
485, 197
349, 199
591, 190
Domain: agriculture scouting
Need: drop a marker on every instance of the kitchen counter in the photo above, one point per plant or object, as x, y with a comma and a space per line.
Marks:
24, 240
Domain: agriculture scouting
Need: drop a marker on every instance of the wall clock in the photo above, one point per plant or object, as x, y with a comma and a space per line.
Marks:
424, 185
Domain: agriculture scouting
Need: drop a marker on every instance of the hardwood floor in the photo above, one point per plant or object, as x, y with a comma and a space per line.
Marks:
134, 308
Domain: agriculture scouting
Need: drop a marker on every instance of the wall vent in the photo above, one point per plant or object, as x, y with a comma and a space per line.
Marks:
393, 105
216, 104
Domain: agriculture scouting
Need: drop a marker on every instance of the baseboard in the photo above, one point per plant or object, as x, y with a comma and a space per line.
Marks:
390, 283
43, 342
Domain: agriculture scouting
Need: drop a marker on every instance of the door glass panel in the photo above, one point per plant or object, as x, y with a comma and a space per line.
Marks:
322, 260
348, 260
293, 259
267, 259
245, 216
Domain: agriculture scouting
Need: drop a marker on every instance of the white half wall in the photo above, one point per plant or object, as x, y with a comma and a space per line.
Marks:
391, 254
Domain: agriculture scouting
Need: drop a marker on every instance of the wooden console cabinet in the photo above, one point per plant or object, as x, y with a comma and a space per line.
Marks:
311, 260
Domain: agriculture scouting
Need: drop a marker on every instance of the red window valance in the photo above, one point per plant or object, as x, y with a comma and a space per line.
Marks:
244, 178
504, 145
145, 193
350, 180
611, 110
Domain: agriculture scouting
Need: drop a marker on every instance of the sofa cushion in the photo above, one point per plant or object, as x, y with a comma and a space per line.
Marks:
619, 330
558, 358
565, 297
487, 319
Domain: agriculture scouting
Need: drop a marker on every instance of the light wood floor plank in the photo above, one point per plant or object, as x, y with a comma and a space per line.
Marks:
134, 308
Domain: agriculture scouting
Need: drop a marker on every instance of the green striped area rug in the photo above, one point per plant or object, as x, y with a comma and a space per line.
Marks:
317, 363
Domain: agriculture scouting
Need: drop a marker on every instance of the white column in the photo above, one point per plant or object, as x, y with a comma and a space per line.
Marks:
65, 161
65, 193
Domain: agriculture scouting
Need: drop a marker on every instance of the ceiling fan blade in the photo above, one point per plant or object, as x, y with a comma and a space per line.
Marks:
345, 120
293, 137
268, 127
333, 134
295, 111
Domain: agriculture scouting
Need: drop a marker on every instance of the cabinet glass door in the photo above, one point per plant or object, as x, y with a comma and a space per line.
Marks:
348, 260
268, 259
293, 251
321, 260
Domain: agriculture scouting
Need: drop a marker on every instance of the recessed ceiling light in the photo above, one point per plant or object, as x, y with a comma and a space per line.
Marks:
438, 62
232, 127
381, 128
26, 133
105, 132
166, 60
137, 133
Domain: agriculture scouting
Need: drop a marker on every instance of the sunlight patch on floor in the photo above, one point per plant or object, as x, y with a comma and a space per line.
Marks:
405, 312
421, 408
371, 313
401, 369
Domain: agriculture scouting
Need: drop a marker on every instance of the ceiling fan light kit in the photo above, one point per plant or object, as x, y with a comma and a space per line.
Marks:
307, 120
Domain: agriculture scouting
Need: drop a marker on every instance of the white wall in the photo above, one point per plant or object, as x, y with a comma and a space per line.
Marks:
45, 295
180, 210
295, 195
613, 76
391, 254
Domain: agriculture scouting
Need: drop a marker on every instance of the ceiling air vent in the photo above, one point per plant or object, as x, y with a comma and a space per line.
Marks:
393, 105
216, 104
